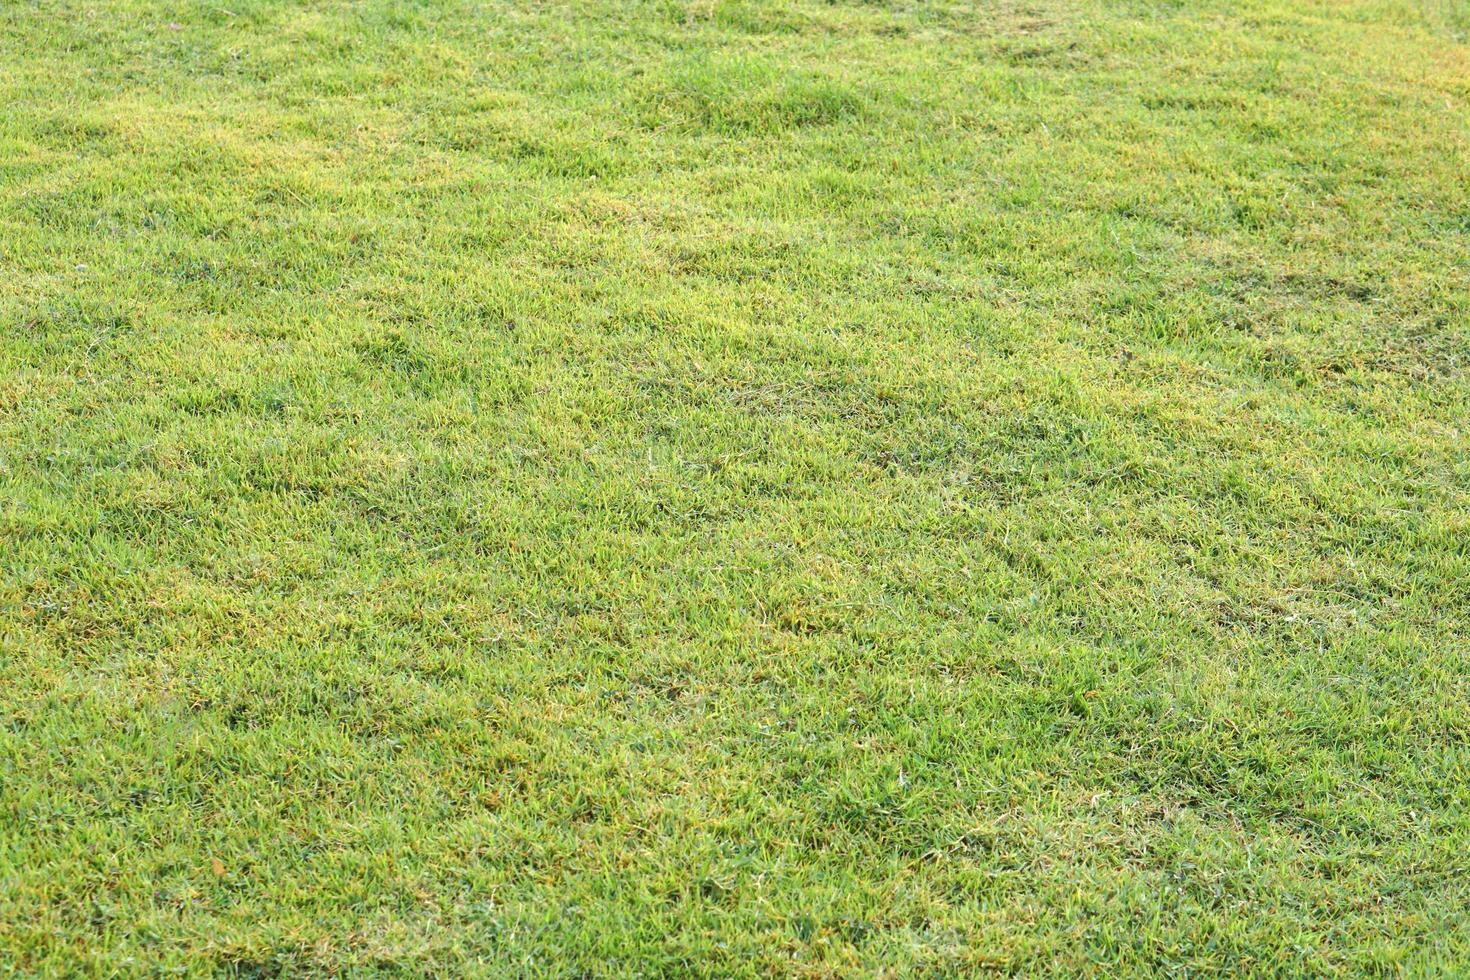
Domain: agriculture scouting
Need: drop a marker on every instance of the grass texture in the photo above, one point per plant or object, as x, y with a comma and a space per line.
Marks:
734, 487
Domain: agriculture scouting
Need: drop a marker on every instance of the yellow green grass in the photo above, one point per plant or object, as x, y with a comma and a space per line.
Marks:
734, 487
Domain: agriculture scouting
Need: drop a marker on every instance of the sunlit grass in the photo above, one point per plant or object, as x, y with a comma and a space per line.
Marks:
734, 487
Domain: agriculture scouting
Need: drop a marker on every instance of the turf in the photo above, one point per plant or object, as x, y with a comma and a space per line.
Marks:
734, 487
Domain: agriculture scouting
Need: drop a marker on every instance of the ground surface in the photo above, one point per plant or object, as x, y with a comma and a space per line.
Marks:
797, 487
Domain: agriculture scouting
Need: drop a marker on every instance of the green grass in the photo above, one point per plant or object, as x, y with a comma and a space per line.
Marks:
734, 487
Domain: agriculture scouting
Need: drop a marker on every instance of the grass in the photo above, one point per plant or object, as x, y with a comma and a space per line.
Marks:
734, 487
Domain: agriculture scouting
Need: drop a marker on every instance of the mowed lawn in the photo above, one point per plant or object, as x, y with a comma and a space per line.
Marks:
807, 487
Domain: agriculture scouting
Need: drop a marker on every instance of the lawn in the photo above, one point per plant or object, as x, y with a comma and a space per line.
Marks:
797, 487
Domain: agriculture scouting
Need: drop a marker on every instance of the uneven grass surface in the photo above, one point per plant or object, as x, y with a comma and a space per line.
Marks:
734, 487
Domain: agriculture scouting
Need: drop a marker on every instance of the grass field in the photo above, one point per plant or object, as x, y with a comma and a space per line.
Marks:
734, 487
